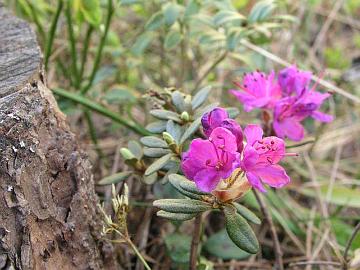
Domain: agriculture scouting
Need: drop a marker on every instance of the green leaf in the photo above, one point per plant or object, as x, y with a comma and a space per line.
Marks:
136, 149
155, 152
158, 164
178, 247
191, 9
208, 108
239, 231
261, 11
154, 142
157, 127
176, 179
150, 179
171, 13
186, 206
141, 43
190, 130
246, 213
155, 22
200, 97
172, 39
115, 178
178, 100
91, 11
340, 195
174, 130
221, 246
175, 216
225, 16
165, 115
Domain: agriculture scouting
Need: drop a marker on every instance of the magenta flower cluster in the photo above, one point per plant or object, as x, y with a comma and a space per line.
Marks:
288, 96
210, 160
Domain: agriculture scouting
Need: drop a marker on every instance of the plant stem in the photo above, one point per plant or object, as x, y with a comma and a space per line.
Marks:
72, 43
100, 49
50, 40
138, 254
85, 50
93, 134
348, 245
265, 211
195, 242
102, 110
206, 73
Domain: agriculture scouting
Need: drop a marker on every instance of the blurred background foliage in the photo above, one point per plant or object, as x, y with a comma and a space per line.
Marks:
102, 58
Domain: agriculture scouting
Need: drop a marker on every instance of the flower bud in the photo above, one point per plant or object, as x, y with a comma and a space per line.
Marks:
168, 138
126, 153
185, 116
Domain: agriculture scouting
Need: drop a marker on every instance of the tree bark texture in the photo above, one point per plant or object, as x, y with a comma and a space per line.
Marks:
48, 213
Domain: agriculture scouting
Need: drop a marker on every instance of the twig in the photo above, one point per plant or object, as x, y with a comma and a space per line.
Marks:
195, 242
265, 211
326, 26
348, 245
280, 61
206, 73
314, 263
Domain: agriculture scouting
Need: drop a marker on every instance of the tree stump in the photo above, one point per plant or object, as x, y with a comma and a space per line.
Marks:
48, 213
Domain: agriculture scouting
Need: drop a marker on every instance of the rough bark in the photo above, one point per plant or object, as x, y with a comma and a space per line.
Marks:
48, 213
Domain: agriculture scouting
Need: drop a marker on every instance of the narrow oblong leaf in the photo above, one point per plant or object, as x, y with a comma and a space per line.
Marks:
246, 213
136, 149
182, 206
156, 21
174, 130
190, 130
200, 97
185, 184
240, 231
156, 127
150, 179
154, 142
175, 181
115, 178
165, 115
158, 164
172, 39
155, 152
178, 100
175, 216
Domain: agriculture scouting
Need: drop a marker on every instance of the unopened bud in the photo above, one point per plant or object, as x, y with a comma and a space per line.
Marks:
168, 138
185, 116
126, 153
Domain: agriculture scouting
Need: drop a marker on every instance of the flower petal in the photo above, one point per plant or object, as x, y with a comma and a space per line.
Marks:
234, 127
322, 117
207, 180
213, 119
253, 133
250, 158
290, 128
275, 175
224, 140
255, 181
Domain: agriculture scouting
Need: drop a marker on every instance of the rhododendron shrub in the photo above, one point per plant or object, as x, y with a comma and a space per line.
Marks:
289, 97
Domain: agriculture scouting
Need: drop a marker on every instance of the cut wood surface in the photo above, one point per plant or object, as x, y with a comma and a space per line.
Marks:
48, 213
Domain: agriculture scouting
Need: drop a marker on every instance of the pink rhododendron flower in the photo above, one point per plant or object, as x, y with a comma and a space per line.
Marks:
292, 80
258, 91
290, 111
209, 161
219, 117
261, 157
